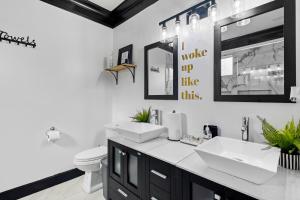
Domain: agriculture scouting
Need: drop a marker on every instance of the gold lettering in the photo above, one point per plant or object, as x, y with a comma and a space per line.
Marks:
187, 68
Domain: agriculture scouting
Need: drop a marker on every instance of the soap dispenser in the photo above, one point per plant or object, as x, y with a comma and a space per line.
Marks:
207, 132
210, 131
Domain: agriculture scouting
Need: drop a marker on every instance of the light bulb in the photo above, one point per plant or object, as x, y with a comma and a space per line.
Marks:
194, 20
177, 26
236, 6
213, 12
164, 32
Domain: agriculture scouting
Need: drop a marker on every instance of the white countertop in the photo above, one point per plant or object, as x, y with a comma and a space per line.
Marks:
171, 152
285, 185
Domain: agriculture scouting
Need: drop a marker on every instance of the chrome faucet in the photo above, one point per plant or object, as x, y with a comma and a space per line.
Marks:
245, 128
156, 117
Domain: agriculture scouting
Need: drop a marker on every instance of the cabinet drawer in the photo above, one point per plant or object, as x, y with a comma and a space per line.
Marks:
113, 196
160, 174
158, 194
118, 192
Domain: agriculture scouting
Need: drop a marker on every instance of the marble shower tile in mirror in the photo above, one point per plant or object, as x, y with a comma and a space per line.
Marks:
254, 70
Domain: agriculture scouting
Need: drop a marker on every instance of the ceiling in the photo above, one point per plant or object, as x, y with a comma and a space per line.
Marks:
108, 4
110, 13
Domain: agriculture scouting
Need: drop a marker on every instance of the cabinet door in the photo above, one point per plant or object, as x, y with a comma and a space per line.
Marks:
116, 161
197, 188
134, 176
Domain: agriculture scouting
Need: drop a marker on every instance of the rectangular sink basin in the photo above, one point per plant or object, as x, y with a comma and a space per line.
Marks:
139, 132
253, 162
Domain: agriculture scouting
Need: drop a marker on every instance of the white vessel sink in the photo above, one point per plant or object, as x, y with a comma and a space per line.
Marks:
139, 132
253, 162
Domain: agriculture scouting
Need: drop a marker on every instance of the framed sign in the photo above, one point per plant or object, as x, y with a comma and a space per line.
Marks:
125, 55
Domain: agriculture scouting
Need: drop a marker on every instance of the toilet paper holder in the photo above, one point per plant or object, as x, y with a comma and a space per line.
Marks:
52, 134
50, 129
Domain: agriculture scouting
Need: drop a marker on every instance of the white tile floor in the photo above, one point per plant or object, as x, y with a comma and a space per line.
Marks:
70, 190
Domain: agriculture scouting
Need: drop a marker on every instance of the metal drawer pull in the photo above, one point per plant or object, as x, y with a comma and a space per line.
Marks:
139, 154
153, 198
122, 193
159, 174
123, 154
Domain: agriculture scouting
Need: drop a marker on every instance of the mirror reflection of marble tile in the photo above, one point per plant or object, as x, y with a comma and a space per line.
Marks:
254, 70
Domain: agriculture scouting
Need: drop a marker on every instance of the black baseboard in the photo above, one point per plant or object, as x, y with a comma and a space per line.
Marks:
37, 186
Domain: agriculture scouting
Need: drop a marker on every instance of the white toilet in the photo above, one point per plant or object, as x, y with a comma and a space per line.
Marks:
89, 162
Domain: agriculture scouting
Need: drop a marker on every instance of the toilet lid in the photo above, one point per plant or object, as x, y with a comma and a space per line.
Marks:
92, 154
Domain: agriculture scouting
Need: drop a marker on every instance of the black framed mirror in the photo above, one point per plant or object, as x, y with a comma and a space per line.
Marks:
161, 70
255, 54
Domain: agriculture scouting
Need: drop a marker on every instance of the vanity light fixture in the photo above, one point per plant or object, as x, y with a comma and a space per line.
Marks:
213, 12
164, 31
178, 25
193, 15
244, 22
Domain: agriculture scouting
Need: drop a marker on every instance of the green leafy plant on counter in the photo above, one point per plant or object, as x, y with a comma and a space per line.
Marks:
287, 139
142, 116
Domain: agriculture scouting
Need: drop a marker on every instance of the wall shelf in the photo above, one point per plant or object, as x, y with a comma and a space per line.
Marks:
116, 69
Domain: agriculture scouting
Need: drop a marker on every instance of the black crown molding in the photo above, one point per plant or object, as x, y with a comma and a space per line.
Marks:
98, 14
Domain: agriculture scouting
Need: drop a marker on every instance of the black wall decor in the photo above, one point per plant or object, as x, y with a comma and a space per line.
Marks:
125, 55
96, 13
4, 36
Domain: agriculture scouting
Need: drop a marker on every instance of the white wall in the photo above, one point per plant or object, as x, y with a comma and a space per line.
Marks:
227, 115
57, 84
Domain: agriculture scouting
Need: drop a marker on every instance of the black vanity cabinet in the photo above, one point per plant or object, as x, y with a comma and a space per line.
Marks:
136, 176
197, 188
126, 172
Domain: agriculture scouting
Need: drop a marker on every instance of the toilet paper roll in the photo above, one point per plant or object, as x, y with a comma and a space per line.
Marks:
174, 125
53, 135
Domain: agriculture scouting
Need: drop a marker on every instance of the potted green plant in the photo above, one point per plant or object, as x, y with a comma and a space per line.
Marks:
142, 116
287, 139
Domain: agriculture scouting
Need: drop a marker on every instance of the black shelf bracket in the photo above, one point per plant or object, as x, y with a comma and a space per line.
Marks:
115, 71
116, 76
132, 71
